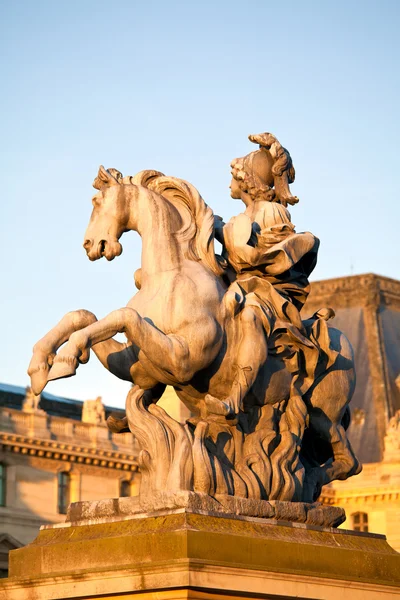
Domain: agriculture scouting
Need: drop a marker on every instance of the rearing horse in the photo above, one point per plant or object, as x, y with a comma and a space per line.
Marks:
174, 324
180, 327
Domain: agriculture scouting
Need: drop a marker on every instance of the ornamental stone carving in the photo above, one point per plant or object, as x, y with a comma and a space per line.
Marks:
392, 438
31, 402
93, 411
268, 391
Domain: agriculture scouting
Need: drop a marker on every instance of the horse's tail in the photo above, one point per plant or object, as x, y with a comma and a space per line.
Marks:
198, 228
117, 425
287, 469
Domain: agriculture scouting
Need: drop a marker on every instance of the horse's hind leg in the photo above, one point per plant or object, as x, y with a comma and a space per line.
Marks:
117, 424
327, 403
342, 465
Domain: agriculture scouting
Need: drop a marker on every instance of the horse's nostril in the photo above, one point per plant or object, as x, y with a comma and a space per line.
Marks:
87, 244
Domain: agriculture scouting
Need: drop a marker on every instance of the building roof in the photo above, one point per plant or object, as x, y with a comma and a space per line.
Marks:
13, 396
64, 430
367, 310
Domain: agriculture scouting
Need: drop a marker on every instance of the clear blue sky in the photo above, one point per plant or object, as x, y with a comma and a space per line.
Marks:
178, 86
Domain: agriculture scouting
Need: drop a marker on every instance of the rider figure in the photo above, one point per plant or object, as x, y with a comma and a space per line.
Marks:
271, 262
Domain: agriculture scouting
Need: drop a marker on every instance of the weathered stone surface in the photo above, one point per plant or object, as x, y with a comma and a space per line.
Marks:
217, 556
191, 502
320, 515
293, 511
247, 507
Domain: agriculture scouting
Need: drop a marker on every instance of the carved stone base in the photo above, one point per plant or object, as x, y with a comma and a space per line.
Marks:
193, 502
194, 556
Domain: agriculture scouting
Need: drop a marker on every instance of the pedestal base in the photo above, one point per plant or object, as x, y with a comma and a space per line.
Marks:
196, 556
195, 502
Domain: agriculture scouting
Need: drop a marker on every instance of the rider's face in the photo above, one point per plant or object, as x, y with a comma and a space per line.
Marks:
235, 189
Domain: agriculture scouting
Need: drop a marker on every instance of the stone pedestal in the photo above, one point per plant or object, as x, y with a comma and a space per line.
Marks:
182, 553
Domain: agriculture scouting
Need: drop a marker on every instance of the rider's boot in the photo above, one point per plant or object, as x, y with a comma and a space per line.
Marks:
230, 406
252, 353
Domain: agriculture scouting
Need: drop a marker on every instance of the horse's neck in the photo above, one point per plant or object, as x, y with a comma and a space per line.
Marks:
156, 220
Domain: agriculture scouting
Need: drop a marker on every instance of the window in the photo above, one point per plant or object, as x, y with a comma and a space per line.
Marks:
64, 488
3, 479
124, 489
360, 521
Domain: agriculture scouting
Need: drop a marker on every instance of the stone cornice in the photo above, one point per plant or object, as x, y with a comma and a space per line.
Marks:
339, 498
356, 290
59, 451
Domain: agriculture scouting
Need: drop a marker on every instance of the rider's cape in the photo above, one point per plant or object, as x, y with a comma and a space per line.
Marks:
272, 275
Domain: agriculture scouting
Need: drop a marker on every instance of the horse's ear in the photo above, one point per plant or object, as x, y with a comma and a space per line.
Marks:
106, 178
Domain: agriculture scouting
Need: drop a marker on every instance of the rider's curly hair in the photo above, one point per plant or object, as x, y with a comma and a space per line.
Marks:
282, 170
250, 183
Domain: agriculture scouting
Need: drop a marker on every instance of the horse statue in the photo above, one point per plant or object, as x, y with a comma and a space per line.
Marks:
268, 392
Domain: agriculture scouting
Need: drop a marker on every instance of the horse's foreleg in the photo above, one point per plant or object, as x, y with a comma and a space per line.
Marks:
168, 355
45, 350
116, 357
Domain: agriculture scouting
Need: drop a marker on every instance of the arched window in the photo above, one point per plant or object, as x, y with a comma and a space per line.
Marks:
360, 521
64, 490
3, 480
124, 488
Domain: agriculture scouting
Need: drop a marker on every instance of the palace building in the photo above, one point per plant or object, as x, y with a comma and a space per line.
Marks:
367, 310
55, 450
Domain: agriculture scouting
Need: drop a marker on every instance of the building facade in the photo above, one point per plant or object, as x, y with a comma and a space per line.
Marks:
55, 451
367, 310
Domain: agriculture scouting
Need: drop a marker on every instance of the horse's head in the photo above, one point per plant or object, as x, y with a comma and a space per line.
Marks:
109, 216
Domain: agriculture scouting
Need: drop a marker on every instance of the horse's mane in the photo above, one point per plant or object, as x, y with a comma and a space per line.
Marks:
198, 218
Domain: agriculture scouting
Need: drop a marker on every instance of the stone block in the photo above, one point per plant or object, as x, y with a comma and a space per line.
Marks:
191, 555
166, 502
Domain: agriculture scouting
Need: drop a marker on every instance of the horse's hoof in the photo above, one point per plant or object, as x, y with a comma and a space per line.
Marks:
38, 380
116, 425
62, 368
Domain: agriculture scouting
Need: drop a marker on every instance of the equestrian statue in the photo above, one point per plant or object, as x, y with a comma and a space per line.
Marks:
268, 391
